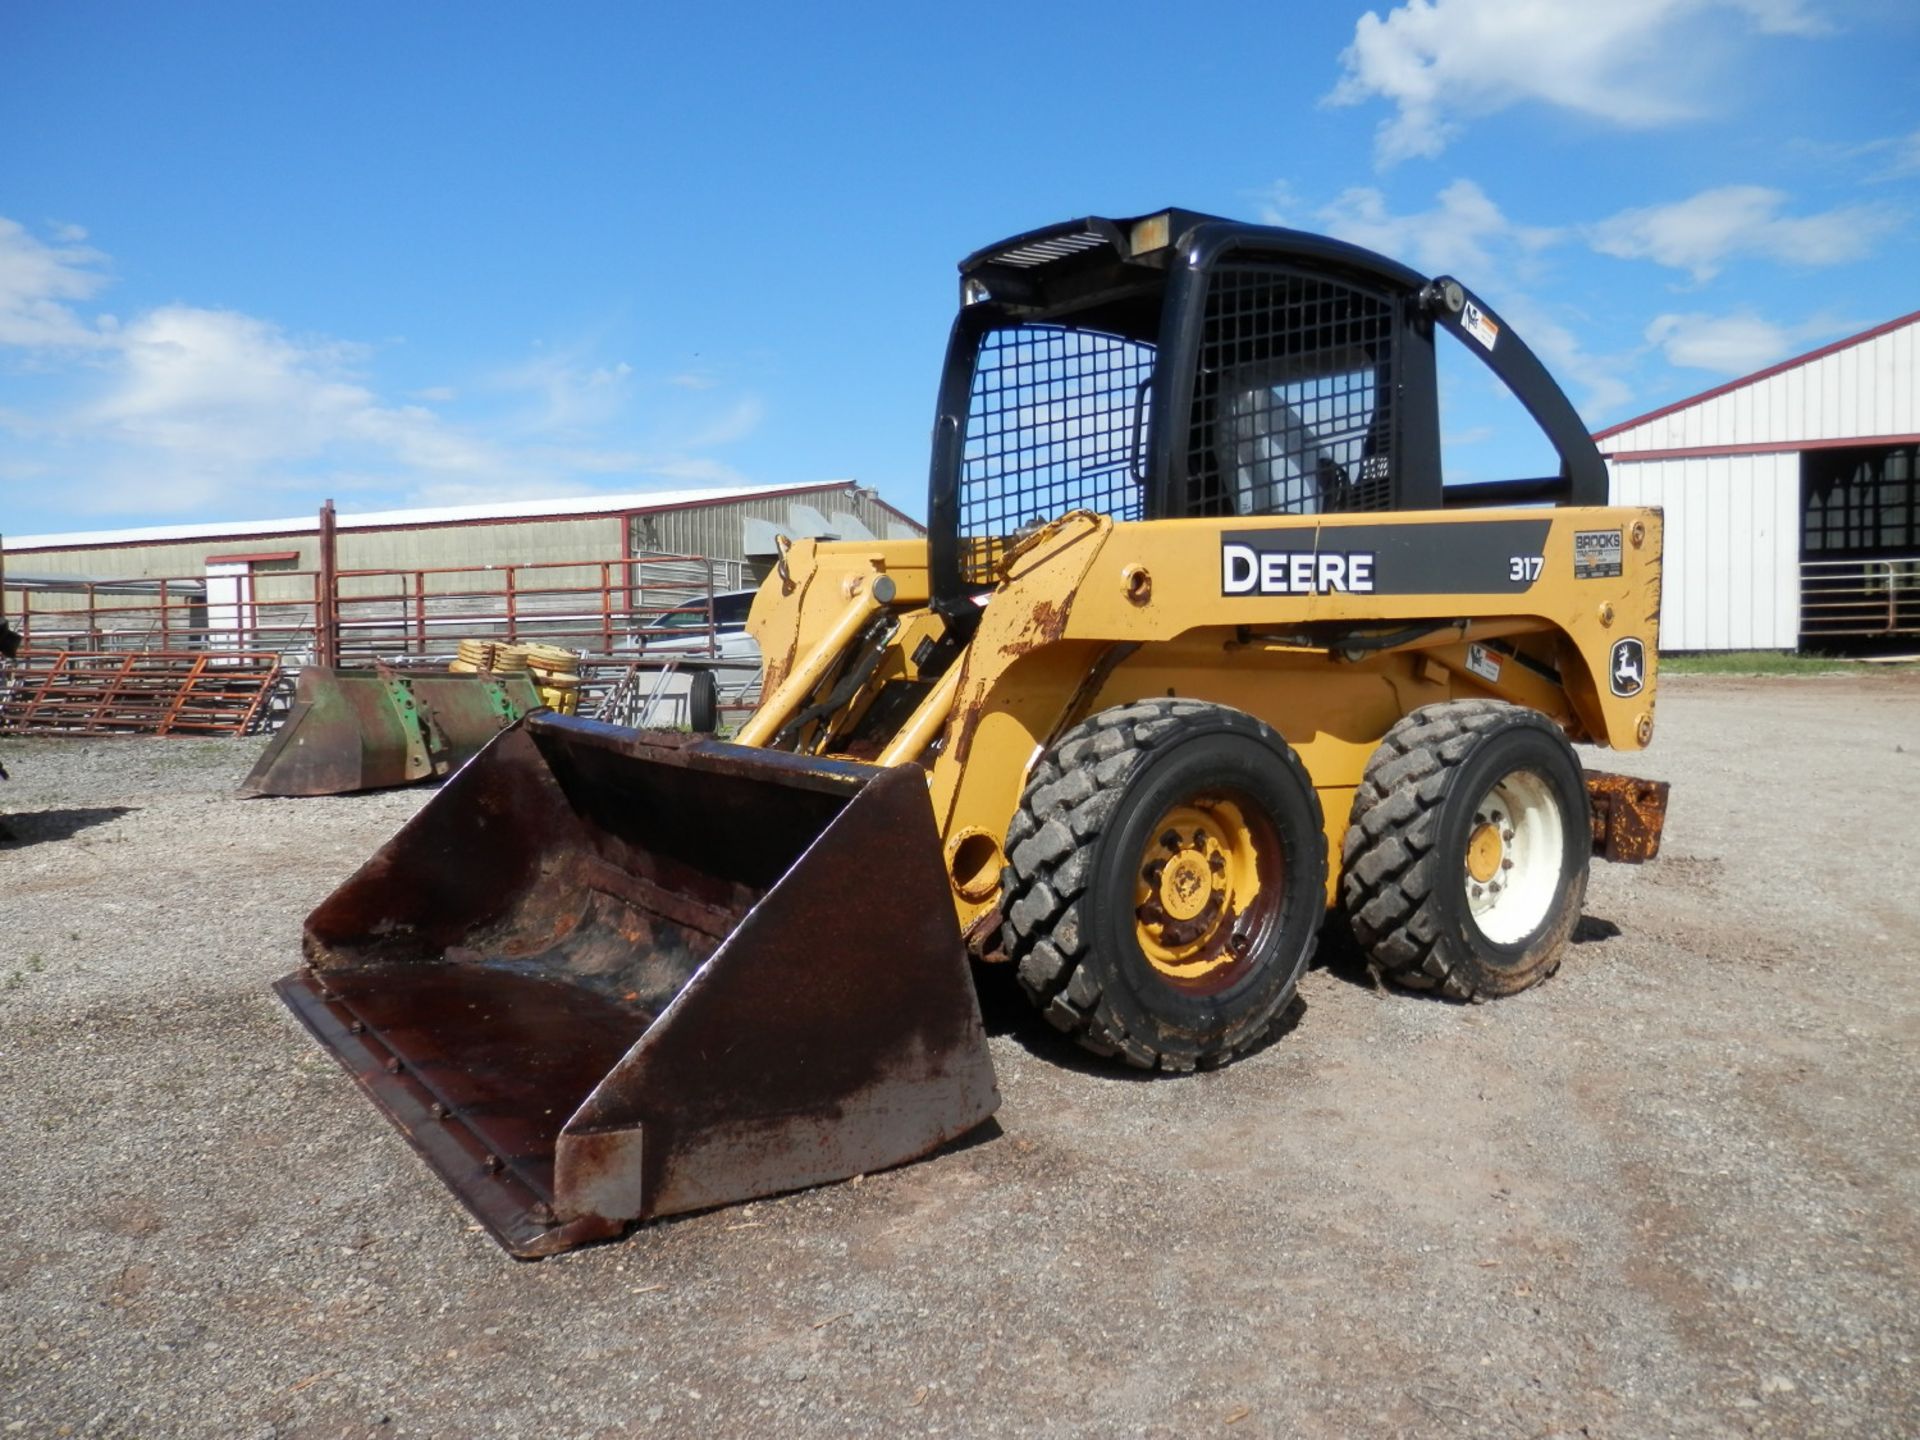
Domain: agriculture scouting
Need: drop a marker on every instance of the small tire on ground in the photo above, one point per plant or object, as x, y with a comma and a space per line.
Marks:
1465, 863
703, 703
1097, 806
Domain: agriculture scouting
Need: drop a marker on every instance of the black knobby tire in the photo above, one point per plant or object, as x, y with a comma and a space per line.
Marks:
1442, 780
1093, 810
703, 703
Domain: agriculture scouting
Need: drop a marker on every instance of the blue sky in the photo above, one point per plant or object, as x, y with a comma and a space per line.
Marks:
255, 255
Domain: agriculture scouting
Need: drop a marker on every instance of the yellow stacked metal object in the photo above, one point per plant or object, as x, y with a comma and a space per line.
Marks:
555, 671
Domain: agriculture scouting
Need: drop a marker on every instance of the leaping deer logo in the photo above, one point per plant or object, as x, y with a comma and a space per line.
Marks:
1629, 668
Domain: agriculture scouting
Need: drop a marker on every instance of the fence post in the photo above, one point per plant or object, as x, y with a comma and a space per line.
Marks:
512, 633
326, 600
166, 630
713, 647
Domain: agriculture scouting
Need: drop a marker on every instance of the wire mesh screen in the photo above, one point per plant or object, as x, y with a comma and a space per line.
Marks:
1054, 421
1292, 401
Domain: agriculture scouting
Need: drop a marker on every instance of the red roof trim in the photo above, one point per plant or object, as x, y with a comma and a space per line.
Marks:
1767, 374
1763, 447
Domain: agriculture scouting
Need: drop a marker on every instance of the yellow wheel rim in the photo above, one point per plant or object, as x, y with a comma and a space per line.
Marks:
1198, 885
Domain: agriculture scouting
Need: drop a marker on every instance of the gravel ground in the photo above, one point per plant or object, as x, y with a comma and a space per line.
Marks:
1672, 1191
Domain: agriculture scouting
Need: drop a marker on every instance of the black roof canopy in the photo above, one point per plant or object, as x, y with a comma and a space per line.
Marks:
1061, 266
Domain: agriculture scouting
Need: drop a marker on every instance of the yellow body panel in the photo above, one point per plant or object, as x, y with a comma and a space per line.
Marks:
1091, 613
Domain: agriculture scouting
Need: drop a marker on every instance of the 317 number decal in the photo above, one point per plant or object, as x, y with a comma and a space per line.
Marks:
1523, 568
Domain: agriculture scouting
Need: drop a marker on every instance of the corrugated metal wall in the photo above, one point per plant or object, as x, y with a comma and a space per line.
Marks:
525, 542
154, 561
519, 542
719, 530
1866, 390
714, 530
1731, 572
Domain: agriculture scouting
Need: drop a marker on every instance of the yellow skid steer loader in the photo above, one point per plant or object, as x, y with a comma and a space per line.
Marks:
1200, 645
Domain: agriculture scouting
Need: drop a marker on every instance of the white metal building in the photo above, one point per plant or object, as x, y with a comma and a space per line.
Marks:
1791, 498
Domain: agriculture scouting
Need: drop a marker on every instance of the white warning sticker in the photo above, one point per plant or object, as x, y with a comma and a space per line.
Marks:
1483, 662
1480, 325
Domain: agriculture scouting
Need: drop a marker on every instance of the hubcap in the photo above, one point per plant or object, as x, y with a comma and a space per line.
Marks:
1513, 857
1485, 851
1206, 882
1186, 884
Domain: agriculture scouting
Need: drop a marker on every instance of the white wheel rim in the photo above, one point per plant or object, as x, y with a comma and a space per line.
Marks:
1516, 841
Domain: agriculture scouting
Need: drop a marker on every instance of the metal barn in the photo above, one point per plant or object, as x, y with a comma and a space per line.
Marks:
1792, 499
734, 525
186, 629
604, 561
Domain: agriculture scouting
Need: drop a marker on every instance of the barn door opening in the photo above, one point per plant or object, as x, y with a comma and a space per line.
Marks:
1860, 546
231, 612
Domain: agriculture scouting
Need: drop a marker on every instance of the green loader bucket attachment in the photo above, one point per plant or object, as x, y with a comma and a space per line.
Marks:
368, 729
606, 975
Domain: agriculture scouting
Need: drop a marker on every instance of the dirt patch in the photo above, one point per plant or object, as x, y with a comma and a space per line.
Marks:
1672, 1191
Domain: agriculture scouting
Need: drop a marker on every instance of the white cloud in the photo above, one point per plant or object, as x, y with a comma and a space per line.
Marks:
1461, 233
736, 422
1701, 233
1466, 234
1443, 62
1596, 380
229, 394
1906, 155
1784, 17
1900, 155
571, 391
39, 283
1735, 344
184, 409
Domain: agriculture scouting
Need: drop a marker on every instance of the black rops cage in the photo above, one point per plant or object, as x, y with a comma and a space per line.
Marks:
1292, 409
1181, 365
1053, 424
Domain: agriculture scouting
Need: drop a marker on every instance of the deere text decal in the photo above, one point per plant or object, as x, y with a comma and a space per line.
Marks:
1247, 571
1384, 557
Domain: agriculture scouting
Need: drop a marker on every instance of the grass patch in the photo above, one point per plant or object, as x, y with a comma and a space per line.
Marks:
1763, 662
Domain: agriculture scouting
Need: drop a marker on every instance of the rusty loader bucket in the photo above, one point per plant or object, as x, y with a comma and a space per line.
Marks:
368, 729
605, 976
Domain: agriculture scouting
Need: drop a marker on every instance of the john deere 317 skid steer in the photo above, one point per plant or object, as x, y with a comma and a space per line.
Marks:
1199, 646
